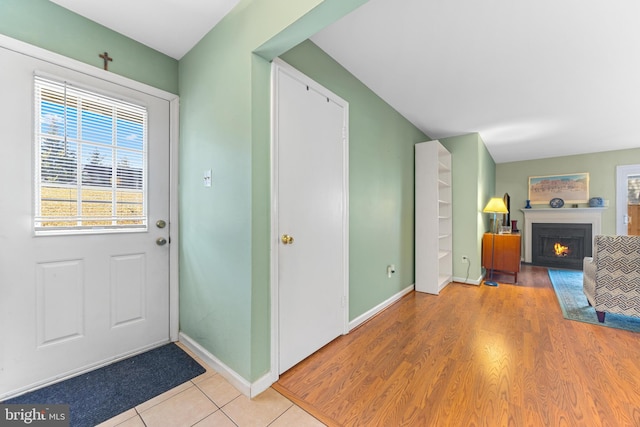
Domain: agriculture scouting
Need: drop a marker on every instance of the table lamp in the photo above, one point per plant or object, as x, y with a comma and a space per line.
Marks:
495, 206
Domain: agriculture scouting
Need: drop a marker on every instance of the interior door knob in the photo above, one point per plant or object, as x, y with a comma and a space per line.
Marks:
286, 239
161, 241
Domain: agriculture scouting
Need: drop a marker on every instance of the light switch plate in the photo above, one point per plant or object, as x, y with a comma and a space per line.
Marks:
207, 178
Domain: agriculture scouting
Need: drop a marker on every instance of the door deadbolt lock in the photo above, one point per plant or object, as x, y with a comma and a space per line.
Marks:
286, 239
161, 223
161, 241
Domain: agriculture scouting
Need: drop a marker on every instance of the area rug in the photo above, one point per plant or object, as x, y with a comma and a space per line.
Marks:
99, 395
568, 287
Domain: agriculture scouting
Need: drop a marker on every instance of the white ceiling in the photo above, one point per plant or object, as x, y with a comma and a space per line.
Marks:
535, 79
172, 27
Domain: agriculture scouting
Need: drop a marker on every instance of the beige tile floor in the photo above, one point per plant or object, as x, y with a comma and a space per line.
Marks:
209, 400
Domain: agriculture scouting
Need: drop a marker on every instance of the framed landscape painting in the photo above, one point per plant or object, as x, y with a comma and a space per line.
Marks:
571, 188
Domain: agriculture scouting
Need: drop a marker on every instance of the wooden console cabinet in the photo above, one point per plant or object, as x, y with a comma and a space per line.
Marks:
506, 256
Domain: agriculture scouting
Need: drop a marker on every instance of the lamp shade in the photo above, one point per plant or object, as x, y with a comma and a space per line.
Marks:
496, 205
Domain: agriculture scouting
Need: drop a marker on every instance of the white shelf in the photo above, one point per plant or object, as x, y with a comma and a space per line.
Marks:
434, 262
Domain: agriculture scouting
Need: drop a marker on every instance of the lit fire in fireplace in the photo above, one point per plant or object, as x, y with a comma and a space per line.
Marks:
561, 250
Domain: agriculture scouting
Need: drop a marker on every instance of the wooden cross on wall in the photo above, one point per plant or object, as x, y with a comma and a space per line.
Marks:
106, 59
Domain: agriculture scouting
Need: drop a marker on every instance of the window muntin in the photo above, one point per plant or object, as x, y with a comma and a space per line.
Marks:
91, 161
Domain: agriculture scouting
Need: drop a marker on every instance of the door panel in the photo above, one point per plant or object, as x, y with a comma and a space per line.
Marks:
127, 285
59, 302
70, 303
311, 209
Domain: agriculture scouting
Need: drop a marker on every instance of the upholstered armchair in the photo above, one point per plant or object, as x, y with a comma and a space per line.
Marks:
611, 279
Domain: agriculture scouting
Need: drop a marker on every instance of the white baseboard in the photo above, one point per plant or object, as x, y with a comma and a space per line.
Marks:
378, 308
263, 383
236, 380
468, 281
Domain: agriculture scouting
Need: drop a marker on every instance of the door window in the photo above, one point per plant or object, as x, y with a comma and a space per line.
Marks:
633, 205
91, 161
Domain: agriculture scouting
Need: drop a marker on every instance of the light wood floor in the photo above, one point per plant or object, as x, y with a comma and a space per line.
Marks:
474, 355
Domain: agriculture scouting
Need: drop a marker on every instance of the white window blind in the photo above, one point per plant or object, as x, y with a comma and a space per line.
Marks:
91, 161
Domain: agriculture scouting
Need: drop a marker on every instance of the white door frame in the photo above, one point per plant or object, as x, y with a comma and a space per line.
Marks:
278, 66
622, 172
72, 64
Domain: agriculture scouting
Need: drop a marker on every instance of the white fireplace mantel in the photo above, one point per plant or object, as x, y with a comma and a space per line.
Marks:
591, 216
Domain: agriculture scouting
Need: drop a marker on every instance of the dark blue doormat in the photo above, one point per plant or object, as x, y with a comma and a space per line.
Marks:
102, 394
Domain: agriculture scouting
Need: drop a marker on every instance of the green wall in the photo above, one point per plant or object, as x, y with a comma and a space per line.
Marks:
224, 87
225, 234
473, 179
513, 178
49, 26
381, 178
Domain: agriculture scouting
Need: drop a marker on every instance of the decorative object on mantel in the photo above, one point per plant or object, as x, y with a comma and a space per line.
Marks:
596, 202
528, 204
556, 202
495, 206
572, 188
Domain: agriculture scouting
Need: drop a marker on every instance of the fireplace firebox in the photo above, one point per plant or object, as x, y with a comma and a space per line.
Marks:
560, 245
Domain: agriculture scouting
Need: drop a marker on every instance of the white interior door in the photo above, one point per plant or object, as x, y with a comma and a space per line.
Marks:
311, 227
72, 302
628, 200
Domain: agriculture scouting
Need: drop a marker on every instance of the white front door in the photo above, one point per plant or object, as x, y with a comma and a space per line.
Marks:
628, 200
311, 227
72, 302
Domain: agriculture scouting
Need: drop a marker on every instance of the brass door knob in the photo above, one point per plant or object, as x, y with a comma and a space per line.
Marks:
161, 241
286, 239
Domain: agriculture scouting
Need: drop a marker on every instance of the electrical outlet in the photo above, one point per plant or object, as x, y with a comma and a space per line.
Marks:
465, 259
390, 270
